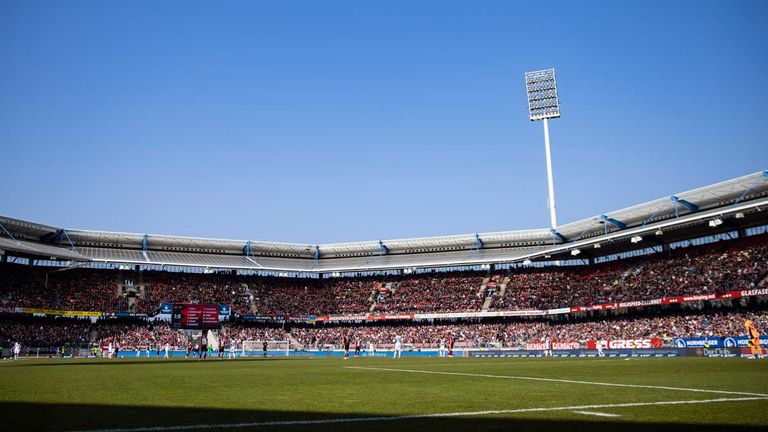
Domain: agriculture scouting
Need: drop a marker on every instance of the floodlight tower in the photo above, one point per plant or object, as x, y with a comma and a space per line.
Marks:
543, 104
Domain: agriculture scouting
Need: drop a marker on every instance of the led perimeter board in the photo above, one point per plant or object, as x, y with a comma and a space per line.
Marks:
195, 316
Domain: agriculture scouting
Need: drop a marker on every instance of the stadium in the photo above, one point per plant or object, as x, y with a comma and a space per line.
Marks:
648, 316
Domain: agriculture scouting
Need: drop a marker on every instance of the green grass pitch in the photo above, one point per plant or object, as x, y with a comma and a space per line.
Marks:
332, 394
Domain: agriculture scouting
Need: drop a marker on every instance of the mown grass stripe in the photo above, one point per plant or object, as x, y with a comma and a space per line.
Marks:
413, 417
565, 381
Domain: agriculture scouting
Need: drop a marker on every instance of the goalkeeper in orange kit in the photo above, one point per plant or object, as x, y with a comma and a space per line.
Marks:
754, 339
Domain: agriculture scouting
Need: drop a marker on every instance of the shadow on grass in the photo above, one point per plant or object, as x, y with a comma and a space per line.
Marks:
72, 417
140, 361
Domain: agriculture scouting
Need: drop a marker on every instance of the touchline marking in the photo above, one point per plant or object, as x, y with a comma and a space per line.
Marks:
557, 380
413, 417
595, 413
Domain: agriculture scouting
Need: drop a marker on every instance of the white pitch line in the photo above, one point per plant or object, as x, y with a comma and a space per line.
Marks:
414, 416
596, 413
511, 377
544, 362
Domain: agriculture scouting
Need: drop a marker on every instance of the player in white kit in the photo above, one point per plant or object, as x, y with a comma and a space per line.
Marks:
371, 349
232, 348
167, 348
16, 350
398, 346
548, 347
442, 350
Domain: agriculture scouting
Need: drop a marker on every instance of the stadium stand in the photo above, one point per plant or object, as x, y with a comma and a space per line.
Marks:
700, 270
578, 281
715, 268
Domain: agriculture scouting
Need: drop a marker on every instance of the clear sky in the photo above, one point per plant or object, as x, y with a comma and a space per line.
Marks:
340, 121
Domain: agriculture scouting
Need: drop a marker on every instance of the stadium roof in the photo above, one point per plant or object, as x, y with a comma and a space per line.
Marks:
737, 202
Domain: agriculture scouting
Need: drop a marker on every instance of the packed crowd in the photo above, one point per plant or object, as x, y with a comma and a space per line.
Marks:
76, 289
301, 297
154, 335
196, 288
706, 269
433, 294
703, 270
50, 332
44, 332
516, 334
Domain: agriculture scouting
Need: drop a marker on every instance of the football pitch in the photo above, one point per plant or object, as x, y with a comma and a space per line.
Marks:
332, 394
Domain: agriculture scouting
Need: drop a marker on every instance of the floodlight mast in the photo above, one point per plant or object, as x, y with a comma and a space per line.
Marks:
550, 179
543, 104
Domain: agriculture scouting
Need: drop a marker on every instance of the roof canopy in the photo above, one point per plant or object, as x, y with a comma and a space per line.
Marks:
744, 195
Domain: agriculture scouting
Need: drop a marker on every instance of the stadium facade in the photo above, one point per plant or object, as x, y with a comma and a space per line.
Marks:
734, 208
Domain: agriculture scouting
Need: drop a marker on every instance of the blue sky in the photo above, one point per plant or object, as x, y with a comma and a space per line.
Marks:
360, 120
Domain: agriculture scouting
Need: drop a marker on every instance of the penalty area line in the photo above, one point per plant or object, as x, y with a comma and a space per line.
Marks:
414, 416
565, 381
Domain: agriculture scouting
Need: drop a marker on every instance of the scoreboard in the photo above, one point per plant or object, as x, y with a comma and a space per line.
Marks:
195, 316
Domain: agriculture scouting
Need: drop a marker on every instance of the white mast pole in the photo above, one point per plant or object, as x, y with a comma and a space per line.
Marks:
550, 179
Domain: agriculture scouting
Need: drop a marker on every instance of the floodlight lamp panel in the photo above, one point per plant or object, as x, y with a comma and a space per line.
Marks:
543, 102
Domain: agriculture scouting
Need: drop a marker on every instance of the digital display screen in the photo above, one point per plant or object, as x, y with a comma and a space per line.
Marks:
195, 316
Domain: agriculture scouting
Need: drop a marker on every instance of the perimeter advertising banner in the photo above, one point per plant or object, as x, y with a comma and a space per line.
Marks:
56, 312
716, 342
556, 345
195, 316
661, 352
642, 343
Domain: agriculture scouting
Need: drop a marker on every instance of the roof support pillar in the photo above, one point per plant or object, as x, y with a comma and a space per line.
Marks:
749, 189
62, 235
609, 220
8, 233
693, 208
557, 236
478, 241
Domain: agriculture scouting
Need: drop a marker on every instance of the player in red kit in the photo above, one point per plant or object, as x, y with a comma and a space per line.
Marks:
357, 347
345, 342
450, 345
